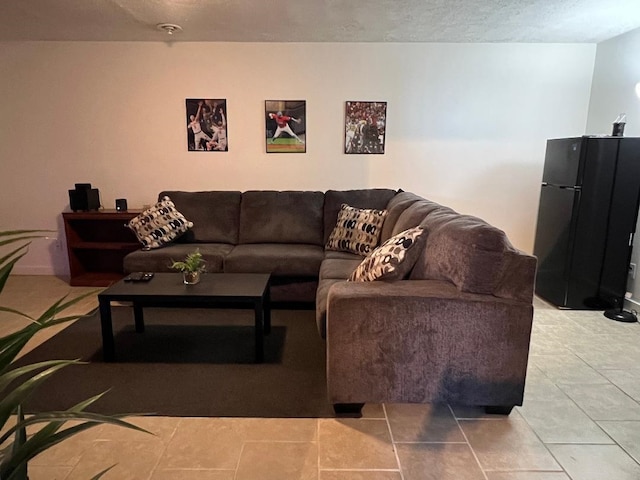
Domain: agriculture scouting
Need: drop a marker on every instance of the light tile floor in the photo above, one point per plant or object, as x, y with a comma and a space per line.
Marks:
580, 421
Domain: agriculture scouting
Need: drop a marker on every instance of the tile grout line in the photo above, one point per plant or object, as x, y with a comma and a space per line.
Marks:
597, 422
318, 446
473, 452
393, 443
164, 449
555, 384
545, 445
431, 443
359, 470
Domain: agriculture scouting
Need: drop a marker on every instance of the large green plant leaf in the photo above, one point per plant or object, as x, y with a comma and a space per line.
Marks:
7, 266
14, 459
102, 473
50, 434
7, 262
21, 233
11, 345
11, 401
11, 375
19, 472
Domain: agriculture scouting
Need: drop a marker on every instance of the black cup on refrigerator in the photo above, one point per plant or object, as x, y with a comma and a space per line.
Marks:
618, 125
618, 129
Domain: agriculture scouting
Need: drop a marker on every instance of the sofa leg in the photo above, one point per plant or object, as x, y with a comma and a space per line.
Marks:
351, 410
499, 409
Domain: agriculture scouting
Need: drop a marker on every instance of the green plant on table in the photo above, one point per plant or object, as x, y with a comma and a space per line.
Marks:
17, 384
192, 263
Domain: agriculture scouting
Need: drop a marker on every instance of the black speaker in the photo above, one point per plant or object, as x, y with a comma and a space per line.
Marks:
121, 204
84, 198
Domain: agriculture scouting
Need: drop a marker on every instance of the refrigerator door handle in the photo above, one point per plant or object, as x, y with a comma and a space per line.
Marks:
631, 239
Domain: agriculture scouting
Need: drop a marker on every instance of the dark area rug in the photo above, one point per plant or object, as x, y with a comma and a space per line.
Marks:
189, 362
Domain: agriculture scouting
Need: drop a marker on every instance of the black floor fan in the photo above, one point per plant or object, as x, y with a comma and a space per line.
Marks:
620, 314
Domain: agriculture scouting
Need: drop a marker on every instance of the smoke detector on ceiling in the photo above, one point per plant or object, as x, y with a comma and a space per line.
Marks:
169, 28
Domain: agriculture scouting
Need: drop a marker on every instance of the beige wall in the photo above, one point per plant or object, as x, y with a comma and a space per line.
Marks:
467, 124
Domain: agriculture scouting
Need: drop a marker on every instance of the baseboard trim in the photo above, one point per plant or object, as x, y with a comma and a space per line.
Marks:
631, 304
33, 270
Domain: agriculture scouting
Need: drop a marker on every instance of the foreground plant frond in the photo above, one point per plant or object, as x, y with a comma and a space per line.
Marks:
17, 384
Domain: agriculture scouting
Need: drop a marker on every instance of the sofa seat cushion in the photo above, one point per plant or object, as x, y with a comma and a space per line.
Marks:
294, 291
281, 217
160, 260
342, 255
376, 198
340, 268
321, 303
215, 215
276, 258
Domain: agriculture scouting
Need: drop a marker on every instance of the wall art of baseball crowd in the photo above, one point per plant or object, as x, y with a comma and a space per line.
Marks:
364, 129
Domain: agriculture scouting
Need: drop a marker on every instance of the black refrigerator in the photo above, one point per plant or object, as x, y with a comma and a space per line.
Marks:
588, 209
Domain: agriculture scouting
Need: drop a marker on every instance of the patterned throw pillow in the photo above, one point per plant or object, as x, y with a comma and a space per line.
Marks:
393, 260
159, 225
357, 230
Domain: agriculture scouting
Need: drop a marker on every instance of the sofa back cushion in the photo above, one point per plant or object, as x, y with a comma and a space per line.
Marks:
281, 217
416, 213
371, 198
398, 204
462, 249
215, 215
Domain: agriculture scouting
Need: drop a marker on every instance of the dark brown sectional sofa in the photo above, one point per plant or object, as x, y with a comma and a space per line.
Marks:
456, 330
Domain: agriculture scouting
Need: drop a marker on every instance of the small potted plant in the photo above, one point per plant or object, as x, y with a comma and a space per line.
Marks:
191, 268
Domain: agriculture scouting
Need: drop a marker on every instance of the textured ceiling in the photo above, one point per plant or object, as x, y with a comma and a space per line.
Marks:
546, 21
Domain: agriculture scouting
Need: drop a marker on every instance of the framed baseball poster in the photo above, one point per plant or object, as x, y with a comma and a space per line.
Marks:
206, 125
364, 127
285, 126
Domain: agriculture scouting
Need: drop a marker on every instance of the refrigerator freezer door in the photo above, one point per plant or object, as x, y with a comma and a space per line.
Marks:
553, 245
562, 162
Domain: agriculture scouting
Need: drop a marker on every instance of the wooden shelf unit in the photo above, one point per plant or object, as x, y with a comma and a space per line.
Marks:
97, 242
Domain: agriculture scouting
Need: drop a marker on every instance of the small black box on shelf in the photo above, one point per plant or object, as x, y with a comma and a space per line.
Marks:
84, 198
121, 204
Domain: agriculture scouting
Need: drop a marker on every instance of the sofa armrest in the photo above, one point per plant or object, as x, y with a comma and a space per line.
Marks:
425, 341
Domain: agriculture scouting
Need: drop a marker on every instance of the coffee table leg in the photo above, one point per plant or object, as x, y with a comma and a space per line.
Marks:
137, 315
108, 347
266, 307
259, 312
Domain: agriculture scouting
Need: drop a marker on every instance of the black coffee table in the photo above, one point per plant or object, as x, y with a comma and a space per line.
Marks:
215, 290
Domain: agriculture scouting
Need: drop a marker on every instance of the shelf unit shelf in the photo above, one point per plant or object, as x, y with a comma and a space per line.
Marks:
97, 243
106, 246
